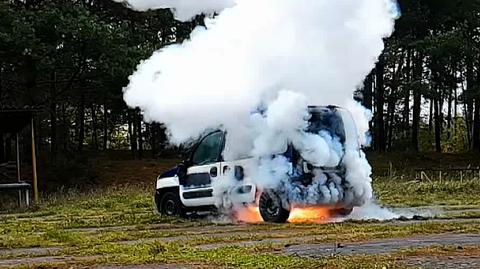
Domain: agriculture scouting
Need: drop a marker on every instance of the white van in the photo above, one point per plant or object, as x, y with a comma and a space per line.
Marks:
190, 186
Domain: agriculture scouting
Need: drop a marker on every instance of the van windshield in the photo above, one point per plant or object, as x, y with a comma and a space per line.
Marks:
327, 119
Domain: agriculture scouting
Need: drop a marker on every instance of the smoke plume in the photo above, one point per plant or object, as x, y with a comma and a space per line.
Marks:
183, 9
253, 71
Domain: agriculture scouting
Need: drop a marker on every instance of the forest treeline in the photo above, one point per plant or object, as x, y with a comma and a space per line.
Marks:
69, 60
425, 88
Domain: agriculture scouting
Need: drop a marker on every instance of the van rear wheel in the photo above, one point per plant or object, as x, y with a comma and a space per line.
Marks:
271, 208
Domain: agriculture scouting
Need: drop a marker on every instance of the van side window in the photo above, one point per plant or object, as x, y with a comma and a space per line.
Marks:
208, 151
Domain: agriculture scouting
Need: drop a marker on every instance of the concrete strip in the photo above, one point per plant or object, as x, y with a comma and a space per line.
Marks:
41, 260
29, 251
382, 246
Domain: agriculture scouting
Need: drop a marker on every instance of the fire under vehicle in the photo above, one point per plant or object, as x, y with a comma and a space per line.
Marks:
190, 187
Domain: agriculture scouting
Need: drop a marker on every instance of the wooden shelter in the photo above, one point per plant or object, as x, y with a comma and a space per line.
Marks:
12, 122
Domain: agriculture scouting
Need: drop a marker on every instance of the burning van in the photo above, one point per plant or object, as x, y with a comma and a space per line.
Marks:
301, 176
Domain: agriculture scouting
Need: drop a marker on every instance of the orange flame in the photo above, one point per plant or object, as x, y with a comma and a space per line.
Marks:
251, 214
310, 215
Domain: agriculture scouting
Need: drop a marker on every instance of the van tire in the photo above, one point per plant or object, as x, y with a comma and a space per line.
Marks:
271, 208
169, 205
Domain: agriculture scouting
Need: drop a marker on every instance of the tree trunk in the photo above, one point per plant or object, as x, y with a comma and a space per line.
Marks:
406, 102
81, 122
476, 118
153, 139
391, 118
417, 99
2, 148
455, 111
469, 100
449, 114
94, 127
379, 104
105, 125
53, 118
1, 80
53, 130
368, 91
132, 128
438, 123
430, 114
441, 102
476, 127
30, 80
139, 133
8, 148
64, 137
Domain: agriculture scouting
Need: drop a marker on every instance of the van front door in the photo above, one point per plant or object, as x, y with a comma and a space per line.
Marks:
205, 163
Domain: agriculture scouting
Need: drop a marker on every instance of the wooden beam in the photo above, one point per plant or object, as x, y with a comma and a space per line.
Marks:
34, 164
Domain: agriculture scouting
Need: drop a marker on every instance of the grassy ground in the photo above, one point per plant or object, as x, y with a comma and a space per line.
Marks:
400, 192
119, 225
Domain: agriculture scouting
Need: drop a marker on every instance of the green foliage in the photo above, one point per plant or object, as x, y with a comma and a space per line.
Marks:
70, 57
433, 53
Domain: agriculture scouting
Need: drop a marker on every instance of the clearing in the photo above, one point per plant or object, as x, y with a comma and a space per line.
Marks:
117, 227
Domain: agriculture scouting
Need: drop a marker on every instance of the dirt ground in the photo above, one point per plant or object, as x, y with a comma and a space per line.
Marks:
301, 241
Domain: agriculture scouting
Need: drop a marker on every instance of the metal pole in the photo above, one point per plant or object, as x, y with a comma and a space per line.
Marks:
17, 150
34, 165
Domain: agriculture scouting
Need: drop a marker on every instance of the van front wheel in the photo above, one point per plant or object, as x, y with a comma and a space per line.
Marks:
170, 205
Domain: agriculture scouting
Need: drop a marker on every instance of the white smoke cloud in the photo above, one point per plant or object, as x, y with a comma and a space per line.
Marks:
277, 56
322, 49
361, 116
184, 9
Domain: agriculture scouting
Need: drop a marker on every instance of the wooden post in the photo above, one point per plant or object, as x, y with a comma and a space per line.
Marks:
17, 151
34, 164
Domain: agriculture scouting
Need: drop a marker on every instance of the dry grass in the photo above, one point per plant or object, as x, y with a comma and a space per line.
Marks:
126, 212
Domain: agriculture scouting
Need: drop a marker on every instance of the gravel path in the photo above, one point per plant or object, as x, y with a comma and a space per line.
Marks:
278, 236
444, 262
29, 251
150, 266
382, 246
46, 259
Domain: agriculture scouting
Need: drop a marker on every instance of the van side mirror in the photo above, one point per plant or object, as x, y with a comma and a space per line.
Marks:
185, 156
181, 171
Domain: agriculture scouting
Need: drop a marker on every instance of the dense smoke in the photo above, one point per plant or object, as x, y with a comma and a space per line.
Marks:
183, 9
286, 122
253, 71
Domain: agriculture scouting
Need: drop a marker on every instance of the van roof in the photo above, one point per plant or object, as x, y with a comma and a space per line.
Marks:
322, 108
